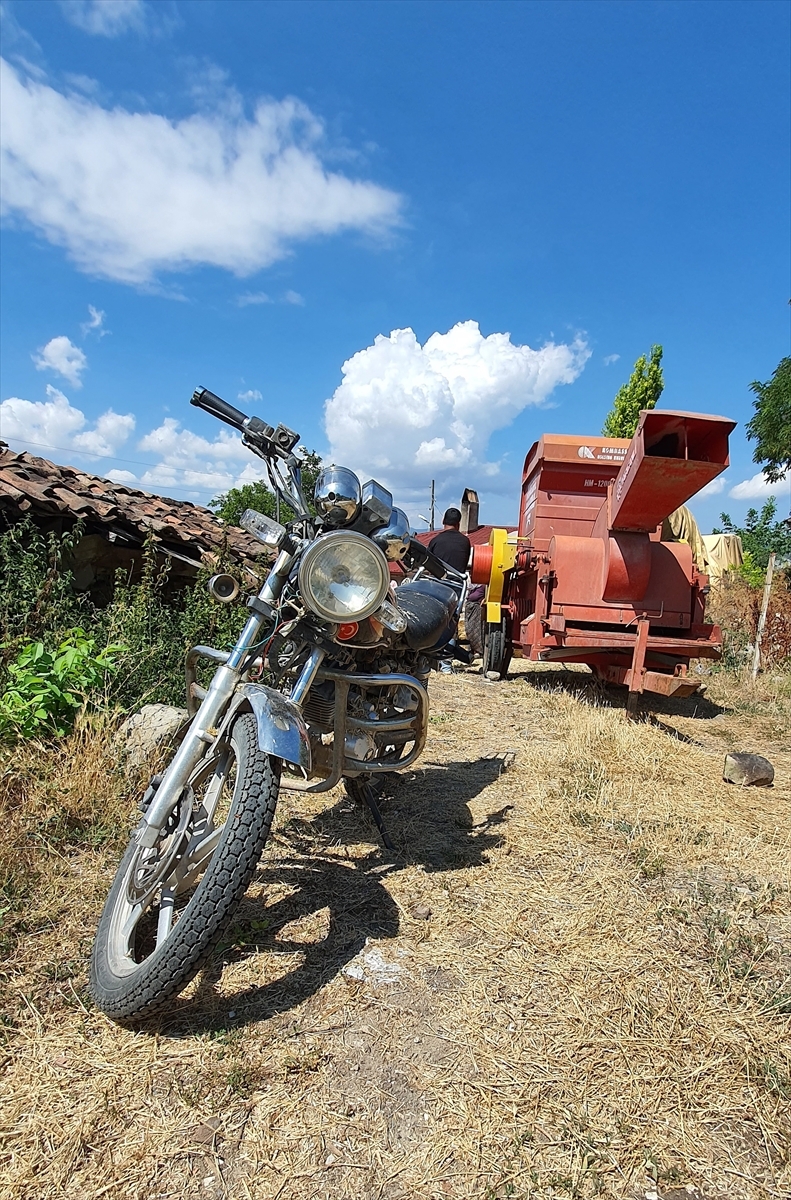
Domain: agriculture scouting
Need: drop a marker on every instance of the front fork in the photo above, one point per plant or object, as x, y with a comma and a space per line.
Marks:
203, 730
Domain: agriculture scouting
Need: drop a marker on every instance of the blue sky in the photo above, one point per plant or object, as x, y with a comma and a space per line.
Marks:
245, 196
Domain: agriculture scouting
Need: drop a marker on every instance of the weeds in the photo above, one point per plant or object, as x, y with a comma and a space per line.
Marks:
46, 688
129, 653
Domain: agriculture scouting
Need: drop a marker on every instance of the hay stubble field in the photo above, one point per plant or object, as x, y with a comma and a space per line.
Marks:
573, 980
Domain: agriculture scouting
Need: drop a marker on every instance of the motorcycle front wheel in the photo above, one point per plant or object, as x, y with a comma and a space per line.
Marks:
169, 905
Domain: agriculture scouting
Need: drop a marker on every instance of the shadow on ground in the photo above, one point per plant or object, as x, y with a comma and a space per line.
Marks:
590, 690
427, 816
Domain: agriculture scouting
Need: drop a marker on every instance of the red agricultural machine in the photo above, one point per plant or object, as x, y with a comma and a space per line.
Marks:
588, 578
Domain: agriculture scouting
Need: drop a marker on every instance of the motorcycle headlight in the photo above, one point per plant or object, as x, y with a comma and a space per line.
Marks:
343, 577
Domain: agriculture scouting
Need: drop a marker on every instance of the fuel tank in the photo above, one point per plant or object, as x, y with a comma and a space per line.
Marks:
429, 607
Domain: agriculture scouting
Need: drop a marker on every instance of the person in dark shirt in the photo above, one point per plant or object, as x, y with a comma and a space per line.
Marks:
454, 549
450, 545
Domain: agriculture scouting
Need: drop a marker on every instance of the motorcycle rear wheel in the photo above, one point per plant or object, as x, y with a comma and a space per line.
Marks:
168, 907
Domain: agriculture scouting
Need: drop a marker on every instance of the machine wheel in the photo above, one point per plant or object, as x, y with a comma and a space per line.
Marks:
496, 649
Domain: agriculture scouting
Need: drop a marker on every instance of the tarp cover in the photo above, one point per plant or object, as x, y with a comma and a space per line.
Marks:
724, 552
681, 526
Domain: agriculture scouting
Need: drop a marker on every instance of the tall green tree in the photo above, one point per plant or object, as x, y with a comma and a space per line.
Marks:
643, 390
231, 504
770, 427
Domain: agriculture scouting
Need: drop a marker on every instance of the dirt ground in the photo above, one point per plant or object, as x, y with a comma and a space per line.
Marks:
573, 979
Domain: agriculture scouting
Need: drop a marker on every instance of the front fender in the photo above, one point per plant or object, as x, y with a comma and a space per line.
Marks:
281, 730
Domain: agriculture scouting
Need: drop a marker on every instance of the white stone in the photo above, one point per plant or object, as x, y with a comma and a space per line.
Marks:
148, 730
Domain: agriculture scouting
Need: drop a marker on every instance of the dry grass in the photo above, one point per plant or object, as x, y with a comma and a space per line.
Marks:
573, 981
734, 605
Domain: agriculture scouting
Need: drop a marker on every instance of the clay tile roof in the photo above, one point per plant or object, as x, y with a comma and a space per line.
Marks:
478, 537
44, 489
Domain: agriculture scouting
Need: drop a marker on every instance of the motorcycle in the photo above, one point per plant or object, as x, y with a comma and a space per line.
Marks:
347, 656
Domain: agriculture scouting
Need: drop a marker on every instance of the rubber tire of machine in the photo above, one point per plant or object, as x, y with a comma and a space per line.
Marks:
496, 649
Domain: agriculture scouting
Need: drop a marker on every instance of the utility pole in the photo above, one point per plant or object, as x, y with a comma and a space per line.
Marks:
431, 510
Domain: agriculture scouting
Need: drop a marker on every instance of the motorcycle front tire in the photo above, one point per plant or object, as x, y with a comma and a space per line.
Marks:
130, 992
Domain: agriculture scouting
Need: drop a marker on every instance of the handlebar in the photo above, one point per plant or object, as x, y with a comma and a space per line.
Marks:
217, 407
423, 557
259, 436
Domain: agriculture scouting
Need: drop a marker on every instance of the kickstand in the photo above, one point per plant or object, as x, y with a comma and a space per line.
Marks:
364, 791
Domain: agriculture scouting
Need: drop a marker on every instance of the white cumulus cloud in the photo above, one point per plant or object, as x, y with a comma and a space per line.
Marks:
609, 359
129, 194
250, 395
187, 460
409, 413
62, 356
53, 425
105, 18
185, 464
713, 488
758, 488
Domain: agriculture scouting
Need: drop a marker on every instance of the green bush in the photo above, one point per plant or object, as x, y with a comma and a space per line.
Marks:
749, 569
46, 688
146, 628
158, 628
37, 595
761, 534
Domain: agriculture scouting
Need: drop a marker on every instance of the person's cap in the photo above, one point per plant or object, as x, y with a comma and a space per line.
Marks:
452, 517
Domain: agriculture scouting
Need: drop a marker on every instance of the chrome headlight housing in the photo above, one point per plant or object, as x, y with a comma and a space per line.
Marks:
343, 577
394, 538
337, 495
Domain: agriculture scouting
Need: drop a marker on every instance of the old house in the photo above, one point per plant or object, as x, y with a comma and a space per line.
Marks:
117, 520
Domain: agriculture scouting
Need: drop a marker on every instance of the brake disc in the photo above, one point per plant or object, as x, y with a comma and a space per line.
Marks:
153, 866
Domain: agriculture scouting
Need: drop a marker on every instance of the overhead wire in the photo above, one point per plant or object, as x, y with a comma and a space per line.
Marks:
116, 458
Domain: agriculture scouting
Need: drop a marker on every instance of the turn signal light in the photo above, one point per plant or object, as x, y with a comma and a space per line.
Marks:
347, 630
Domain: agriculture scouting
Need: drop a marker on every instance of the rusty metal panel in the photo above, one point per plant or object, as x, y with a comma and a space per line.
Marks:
670, 458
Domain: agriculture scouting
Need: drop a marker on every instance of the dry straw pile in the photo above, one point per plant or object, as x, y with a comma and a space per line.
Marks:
572, 981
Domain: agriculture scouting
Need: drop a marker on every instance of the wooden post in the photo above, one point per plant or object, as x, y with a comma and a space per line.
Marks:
762, 618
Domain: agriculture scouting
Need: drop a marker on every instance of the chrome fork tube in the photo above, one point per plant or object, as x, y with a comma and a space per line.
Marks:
309, 671
204, 724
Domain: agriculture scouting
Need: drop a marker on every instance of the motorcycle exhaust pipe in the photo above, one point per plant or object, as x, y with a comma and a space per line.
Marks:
223, 588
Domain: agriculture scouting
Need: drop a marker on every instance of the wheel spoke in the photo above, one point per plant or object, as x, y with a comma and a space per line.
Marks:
214, 788
196, 858
165, 919
128, 927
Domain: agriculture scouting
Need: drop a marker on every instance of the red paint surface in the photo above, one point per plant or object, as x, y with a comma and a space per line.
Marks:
590, 564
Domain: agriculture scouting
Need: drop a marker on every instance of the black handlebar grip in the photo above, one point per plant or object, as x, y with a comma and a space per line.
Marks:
203, 398
424, 558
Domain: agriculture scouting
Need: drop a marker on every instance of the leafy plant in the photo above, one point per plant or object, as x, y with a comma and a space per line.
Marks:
645, 386
750, 571
760, 535
46, 688
153, 622
38, 595
770, 427
158, 628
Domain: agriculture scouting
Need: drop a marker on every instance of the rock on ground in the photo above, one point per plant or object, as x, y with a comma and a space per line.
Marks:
147, 730
748, 769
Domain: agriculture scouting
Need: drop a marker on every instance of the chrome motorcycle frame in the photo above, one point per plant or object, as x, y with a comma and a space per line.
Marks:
211, 718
